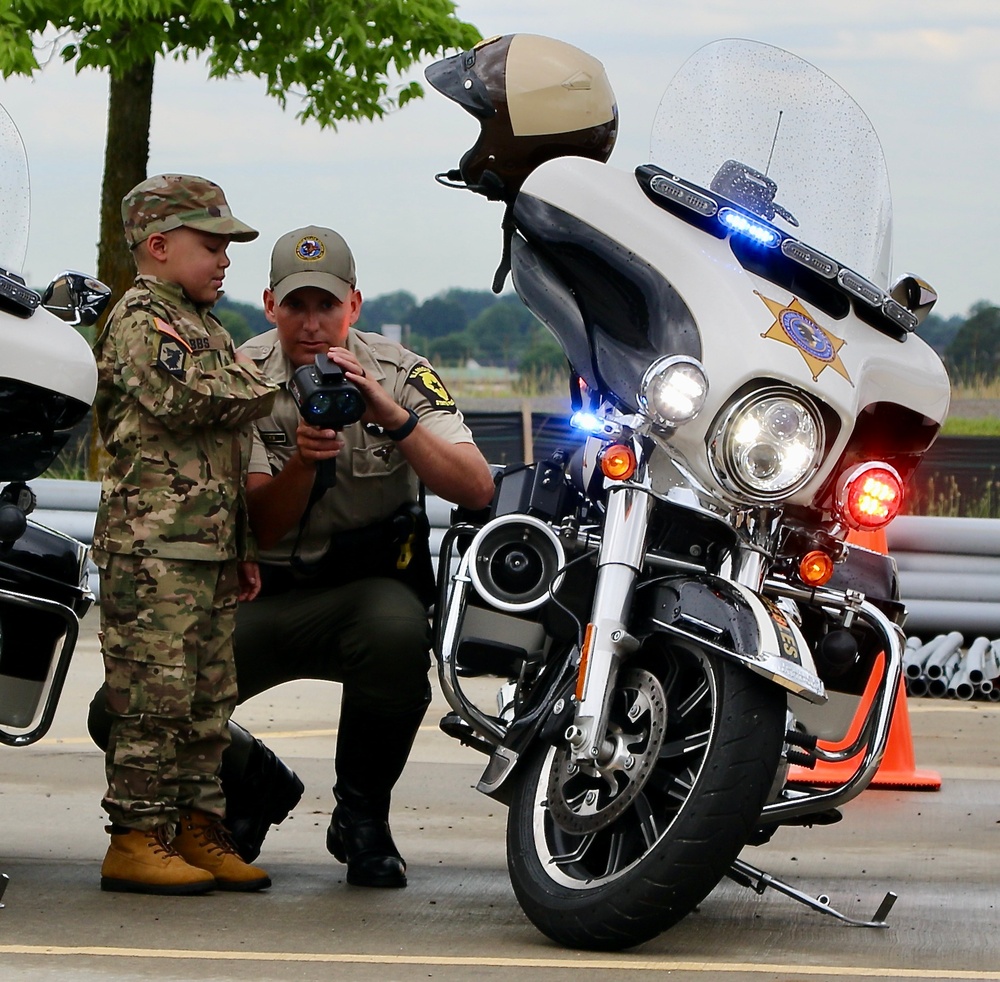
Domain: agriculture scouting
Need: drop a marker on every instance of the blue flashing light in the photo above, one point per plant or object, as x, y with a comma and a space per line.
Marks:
756, 231
587, 422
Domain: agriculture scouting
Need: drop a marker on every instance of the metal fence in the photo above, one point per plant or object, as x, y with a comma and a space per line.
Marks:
949, 568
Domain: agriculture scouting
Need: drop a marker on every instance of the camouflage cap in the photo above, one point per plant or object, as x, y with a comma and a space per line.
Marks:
312, 256
168, 201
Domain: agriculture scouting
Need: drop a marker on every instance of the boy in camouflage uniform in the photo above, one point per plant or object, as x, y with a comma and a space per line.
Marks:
175, 403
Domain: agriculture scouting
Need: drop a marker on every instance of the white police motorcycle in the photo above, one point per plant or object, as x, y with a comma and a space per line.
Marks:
674, 610
48, 379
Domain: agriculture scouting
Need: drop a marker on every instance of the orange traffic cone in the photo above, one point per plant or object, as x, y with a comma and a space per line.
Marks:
898, 767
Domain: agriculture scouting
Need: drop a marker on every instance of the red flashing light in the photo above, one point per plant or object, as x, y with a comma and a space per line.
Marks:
870, 496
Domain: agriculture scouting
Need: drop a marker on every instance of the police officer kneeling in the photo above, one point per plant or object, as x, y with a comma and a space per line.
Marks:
346, 574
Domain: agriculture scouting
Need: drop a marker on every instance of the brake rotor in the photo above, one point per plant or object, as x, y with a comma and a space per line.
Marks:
586, 797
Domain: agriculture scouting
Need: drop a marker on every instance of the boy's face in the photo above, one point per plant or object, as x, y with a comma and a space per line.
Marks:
311, 320
194, 259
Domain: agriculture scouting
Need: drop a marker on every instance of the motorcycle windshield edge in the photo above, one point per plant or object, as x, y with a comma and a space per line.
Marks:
781, 119
14, 198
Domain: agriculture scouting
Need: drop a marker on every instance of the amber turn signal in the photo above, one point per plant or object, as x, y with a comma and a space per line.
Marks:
815, 568
617, 462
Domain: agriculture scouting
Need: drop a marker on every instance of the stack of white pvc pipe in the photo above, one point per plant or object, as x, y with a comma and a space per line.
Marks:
949, 573
942, 667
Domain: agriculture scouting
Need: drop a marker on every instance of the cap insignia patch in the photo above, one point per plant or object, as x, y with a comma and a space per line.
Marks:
310, 249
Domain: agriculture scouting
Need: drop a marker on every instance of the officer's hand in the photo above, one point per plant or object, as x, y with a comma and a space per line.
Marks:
315, 444
381, 409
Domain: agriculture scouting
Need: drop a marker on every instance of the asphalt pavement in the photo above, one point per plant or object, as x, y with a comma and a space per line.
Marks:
458, 918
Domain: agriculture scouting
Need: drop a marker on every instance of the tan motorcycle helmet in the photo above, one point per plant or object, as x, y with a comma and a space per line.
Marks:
536, 98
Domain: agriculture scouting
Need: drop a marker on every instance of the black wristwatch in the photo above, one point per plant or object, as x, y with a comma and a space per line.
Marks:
402, 432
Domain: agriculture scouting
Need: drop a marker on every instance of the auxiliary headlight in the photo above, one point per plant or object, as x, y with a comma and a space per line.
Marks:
673, 390
769, 445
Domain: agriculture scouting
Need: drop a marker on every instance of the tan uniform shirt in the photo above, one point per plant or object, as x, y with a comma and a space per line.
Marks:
174, 410
373, 476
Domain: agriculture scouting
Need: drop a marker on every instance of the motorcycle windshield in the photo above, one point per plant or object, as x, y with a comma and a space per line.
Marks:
13, 196
773, 133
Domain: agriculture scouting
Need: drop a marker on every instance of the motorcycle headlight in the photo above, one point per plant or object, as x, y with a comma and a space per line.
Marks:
673, 390
768, 445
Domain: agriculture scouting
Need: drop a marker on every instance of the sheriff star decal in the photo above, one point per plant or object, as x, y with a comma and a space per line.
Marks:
793, 326
427, 381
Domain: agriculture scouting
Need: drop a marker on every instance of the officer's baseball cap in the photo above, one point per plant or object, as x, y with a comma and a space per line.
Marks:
312, 256
168, 201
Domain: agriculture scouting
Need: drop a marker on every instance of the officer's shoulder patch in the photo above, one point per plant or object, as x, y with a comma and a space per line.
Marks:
426, 380
172, 356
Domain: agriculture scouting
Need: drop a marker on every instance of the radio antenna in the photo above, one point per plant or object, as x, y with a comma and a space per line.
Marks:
781, 112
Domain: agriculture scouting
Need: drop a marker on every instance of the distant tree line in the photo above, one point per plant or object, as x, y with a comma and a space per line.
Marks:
970, 346
457, 326
452, 328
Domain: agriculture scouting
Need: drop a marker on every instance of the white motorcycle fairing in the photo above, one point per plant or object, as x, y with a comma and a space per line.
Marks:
691, 295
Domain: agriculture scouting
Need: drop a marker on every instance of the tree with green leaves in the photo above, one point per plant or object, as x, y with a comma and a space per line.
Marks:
437, 317
388, 308
974, 353
502, 332
336, 56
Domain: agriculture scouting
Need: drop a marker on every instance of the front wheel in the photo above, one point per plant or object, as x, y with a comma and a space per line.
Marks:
610, 856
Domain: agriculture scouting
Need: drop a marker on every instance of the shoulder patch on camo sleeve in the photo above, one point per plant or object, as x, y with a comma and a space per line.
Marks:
426, 380
163, 327
172, 357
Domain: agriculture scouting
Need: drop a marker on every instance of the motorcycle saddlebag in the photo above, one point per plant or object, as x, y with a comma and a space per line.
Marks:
43, 593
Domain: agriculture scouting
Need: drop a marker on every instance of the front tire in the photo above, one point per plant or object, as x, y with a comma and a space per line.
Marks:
590, 873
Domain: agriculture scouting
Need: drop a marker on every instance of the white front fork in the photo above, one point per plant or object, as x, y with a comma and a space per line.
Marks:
621, 556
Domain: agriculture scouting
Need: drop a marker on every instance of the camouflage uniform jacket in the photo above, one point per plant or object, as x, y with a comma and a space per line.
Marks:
174, 409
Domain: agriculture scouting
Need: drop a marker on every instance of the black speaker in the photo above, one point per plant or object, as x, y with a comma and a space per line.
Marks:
515, 561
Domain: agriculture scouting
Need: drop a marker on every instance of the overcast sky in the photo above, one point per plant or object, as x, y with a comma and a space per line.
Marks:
926, 72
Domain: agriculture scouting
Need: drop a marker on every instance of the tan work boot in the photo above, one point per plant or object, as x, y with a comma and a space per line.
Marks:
203, 841
141, 861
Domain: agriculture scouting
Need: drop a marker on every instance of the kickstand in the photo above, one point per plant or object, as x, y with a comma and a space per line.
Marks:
758, 881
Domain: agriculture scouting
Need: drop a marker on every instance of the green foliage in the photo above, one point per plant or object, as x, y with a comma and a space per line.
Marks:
543, 357
438, 317
242, 320
333, 56
388, 308
975, 350
978, 426
452, 349
503, 332
474, 302
939, 332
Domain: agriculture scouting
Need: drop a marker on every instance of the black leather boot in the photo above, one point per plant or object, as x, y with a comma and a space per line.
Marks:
260, 791
365, 843
371, 753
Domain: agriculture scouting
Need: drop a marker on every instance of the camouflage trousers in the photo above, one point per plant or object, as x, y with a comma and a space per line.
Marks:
170, 683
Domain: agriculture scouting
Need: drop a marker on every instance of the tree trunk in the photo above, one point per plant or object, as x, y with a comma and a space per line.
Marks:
126, 154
